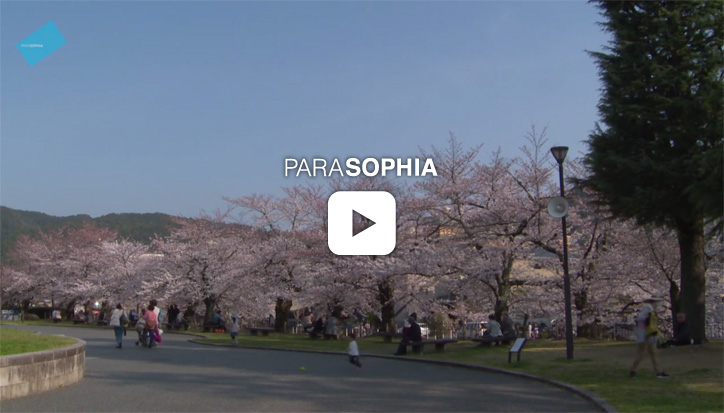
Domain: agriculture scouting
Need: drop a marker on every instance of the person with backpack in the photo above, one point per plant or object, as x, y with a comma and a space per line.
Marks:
647, 335
118, 321
149, 331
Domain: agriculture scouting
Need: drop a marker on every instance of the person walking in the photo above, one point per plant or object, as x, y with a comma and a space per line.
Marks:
118, 319
149, 330
353, 351
141, 327
234, 329
647, 335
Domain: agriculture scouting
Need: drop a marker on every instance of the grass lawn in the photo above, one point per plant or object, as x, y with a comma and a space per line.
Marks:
20, 341
696, 382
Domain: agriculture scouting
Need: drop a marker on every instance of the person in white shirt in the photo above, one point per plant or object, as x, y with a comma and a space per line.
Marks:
647, 332
353, 352
493, 329
234, 329
117, 323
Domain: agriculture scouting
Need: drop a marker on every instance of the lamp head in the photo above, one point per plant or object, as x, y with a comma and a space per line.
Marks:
559, 152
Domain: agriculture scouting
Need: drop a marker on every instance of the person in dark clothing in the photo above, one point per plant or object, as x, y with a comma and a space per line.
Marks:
218, 321
682, 332
508, 329
410, 335
173, 313
415, 330
317, 328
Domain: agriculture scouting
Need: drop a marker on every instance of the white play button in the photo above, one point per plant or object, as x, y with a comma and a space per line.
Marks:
361, 223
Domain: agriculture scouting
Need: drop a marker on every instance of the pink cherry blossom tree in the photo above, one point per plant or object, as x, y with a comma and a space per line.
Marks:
201, 262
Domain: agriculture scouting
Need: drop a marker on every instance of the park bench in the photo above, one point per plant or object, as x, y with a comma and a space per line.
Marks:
387, 336
489, 341
216, 328
418, 346
263, 330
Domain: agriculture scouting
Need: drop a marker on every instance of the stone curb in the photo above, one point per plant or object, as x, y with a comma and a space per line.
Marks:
591, 397
45, 355
40, 371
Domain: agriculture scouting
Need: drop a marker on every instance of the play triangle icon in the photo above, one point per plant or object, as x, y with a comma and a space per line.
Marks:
360, 223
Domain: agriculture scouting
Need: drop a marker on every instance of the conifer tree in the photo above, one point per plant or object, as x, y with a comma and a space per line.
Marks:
656, 156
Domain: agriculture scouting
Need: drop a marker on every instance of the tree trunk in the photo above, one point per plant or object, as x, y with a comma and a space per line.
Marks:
281, 314
70, 311
24, 309
503, 284
693, 280
384, 295
210, 304
674, 295
580, 301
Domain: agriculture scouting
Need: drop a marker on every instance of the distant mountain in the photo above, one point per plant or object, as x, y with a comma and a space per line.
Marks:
137, 227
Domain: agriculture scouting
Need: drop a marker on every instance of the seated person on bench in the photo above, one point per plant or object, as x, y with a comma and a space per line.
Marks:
494, 331
218, 322
411, 335
506, 324
317, 328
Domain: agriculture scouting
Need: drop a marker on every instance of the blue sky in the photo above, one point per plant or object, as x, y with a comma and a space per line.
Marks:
169, 106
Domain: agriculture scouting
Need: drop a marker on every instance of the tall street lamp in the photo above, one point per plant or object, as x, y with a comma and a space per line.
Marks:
560, 152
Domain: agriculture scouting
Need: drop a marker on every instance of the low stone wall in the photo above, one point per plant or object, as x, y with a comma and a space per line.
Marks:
30, 373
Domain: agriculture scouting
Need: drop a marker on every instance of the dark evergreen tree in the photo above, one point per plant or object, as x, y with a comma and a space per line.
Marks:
657, 154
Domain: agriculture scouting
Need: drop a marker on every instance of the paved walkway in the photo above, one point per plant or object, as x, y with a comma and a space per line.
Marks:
186, 377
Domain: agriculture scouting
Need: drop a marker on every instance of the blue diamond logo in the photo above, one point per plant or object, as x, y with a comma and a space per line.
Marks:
41, 44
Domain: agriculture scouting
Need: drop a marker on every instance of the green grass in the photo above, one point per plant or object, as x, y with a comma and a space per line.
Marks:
602, 367
20, 341
46, 323
696, 382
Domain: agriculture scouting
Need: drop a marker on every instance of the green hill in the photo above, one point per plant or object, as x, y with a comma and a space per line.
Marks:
137, 227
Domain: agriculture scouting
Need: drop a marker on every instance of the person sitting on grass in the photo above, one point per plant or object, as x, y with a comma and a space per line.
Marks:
682, 332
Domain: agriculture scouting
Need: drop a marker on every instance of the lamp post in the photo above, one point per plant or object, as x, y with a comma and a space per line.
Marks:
560, 152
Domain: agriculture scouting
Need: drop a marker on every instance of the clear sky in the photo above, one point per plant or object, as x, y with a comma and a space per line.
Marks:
168, 106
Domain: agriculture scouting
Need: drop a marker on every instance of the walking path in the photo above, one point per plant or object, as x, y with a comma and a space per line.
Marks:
186, 377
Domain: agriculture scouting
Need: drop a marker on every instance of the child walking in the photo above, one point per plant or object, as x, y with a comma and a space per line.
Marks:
234, 329
140, 326
353, 352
